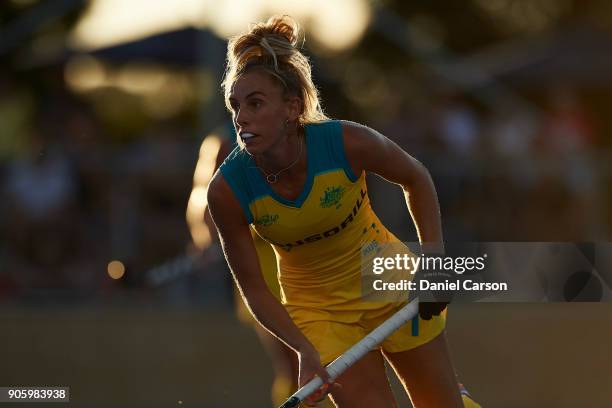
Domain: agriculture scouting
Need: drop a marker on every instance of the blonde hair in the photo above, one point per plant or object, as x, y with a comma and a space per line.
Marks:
272, 47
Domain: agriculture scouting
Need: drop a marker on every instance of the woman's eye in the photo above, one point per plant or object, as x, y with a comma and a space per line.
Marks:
256, 103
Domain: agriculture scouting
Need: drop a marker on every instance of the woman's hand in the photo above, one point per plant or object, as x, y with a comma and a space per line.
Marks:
427, 310
433, 302
310, 366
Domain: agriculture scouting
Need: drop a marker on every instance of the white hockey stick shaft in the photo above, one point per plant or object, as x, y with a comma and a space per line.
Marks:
357, 351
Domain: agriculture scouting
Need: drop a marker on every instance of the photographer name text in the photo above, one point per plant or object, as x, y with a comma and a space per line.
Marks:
447, 285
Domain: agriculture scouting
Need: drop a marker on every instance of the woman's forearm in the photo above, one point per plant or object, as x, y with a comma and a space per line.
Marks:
269, 312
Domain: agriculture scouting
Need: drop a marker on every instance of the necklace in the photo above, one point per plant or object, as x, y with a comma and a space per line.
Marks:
273, 177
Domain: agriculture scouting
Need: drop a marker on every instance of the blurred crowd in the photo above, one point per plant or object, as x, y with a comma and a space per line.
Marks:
513, 173
75, 196
74, 199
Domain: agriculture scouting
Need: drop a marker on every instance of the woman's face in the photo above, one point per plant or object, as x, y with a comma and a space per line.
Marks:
259, 111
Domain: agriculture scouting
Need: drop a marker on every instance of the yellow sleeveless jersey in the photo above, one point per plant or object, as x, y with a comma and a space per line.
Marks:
320, 237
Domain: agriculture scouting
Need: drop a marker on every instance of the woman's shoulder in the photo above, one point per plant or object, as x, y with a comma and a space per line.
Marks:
361, 144
218, 188
340, 127
360, 138
236, 157
231, 182
227, 208
355, 129
229, 171
322, 126
345, 130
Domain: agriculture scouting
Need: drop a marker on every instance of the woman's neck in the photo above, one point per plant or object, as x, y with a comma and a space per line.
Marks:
289, 149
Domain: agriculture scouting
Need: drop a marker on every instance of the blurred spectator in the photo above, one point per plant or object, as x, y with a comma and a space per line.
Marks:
567, 128
511, 132
40, 188
16, 106
458, 126
150, 188
41, 184
566, 143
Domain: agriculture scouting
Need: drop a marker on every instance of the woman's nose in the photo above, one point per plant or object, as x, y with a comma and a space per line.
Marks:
240, 118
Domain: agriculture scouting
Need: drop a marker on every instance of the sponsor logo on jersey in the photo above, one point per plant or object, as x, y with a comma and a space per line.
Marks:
266, 220
325, 234
332, 196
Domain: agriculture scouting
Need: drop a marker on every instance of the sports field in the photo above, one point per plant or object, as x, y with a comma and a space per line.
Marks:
513, 355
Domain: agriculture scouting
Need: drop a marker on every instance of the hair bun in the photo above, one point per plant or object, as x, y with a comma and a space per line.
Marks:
275, 39
278, 29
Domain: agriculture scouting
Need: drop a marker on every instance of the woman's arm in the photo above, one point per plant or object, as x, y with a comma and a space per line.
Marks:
241, 256
368, 150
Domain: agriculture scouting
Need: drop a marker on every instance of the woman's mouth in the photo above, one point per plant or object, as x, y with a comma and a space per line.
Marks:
246, 136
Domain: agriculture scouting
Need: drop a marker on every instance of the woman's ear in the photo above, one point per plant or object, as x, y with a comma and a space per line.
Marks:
295, 106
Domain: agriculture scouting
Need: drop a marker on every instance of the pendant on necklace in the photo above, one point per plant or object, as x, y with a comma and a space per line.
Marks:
272, 178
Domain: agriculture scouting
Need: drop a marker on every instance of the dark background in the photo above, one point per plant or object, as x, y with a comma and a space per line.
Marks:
506, 102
